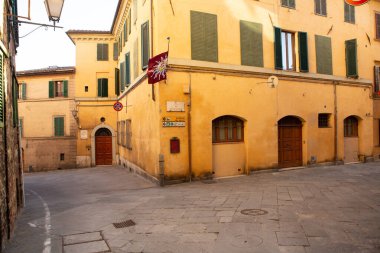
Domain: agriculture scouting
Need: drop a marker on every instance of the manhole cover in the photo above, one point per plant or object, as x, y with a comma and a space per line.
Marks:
254, 212
124, 224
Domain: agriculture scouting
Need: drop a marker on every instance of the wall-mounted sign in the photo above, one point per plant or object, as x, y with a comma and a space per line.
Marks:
356, 2
175, 106
84, 134
118, 106
173, 122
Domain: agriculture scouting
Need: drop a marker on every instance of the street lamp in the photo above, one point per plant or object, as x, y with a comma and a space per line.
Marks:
54, 9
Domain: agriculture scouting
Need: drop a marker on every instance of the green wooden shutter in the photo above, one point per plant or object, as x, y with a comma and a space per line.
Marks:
277, 48
51, 89
204, 36
129, 22
303, 52
324, 55
376, 71
104, 87
117, 81
251, 41
59, 127
349, 13
14, 101
105, 52
377, 21
323, 8
65, 88
317, 6
125, 32
115, 51
145, 45
351, 58
100, 87
99, 52
21, 127
127, 69
122, 76
23, 91
1, 91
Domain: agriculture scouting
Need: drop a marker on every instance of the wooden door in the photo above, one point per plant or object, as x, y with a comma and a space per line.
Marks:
103, 150
289, 142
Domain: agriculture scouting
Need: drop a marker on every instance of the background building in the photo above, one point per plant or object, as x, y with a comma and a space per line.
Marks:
11, 179
47, 123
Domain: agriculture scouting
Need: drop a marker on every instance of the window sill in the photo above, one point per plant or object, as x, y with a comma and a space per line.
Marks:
348, 22
289, 7
232, 142
321, 15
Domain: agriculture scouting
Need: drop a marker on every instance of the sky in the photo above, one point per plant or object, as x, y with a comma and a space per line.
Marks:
46, 47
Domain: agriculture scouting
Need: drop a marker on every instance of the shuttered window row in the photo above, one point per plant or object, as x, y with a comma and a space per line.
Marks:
103, 87
59, 126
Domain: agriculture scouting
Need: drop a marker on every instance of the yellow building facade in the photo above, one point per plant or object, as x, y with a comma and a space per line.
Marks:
47, 127
250, 86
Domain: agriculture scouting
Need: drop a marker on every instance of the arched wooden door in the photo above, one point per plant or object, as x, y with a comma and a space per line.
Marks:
289, 142
103, 147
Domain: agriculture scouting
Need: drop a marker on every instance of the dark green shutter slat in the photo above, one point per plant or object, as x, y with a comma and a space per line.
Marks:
59, 126
104, 87
323, 55
127, 69
251, 44
115, 51
144, 45
99, 87
303, 52
351, 58
99, 52
204, 36
23, 90
1, 91
14, 101
125, 32
117, 82
51, 89
105, 52
122, 76
65, 88
277, 48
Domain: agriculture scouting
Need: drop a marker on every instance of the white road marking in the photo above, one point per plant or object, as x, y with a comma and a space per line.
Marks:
32, 225
47, 243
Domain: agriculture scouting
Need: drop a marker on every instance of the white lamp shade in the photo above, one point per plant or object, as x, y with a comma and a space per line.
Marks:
54, 9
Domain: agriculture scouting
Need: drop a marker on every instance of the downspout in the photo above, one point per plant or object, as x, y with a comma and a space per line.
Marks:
189, 131
335, 125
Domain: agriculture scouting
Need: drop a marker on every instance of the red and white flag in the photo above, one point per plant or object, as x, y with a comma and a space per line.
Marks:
157, 68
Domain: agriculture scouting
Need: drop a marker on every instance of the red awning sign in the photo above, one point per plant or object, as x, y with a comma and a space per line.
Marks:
356, 2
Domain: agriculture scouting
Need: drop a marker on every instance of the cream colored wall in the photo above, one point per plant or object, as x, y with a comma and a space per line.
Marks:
228, 159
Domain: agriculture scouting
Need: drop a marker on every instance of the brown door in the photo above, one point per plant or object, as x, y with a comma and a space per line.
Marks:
103, 147
289, 142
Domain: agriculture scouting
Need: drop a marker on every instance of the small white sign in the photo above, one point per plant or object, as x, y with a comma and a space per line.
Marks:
173, 124
175, 106
84, 134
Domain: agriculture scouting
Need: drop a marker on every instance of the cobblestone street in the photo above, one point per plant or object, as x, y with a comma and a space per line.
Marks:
312, 210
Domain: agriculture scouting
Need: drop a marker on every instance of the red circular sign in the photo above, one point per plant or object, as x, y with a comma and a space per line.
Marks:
118, 106
356, 2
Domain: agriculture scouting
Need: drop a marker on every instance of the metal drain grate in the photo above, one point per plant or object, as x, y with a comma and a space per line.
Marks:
254, 212
124, 224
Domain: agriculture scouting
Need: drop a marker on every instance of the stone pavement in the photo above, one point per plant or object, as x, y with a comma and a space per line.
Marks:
313, 210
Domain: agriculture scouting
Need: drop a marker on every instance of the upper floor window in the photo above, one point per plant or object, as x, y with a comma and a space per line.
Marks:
377, 23
377, 80
58, 89
289, 3
349, 13
22, 91
288, 53
204, 36
324, 55
251, 44
145, 45
320, 7
351, 59
102, 52
227, 129
102, 87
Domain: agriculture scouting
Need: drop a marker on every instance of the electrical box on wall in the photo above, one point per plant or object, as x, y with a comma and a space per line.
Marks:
174, 145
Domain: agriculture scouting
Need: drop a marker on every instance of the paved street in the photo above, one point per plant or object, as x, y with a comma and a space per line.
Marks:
313, 210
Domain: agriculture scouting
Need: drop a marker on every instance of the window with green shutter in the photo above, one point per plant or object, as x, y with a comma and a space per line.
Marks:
303, 52
23, 91
251, 43
102, 87
376, 70
58, 89
125, 32
320, 7
288, 3
324, 55
115, 51
21, 127
127, 69
102, 52
59, 126
65, 88
1, 91
277, 48
349, 13
377, 24
351, 58
117, 81
122, 76
204, 36
145, 45
14, 101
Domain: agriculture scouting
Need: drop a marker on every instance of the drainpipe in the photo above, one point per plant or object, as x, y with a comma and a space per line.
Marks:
189, 131
335, 124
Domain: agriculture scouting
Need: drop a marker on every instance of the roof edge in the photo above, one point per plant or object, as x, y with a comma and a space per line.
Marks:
54, 70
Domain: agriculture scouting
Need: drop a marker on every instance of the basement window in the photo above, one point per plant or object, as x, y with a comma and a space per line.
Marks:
62, 156
323, 120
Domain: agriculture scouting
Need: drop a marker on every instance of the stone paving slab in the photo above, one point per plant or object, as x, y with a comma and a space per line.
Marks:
79, 238
88, 247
